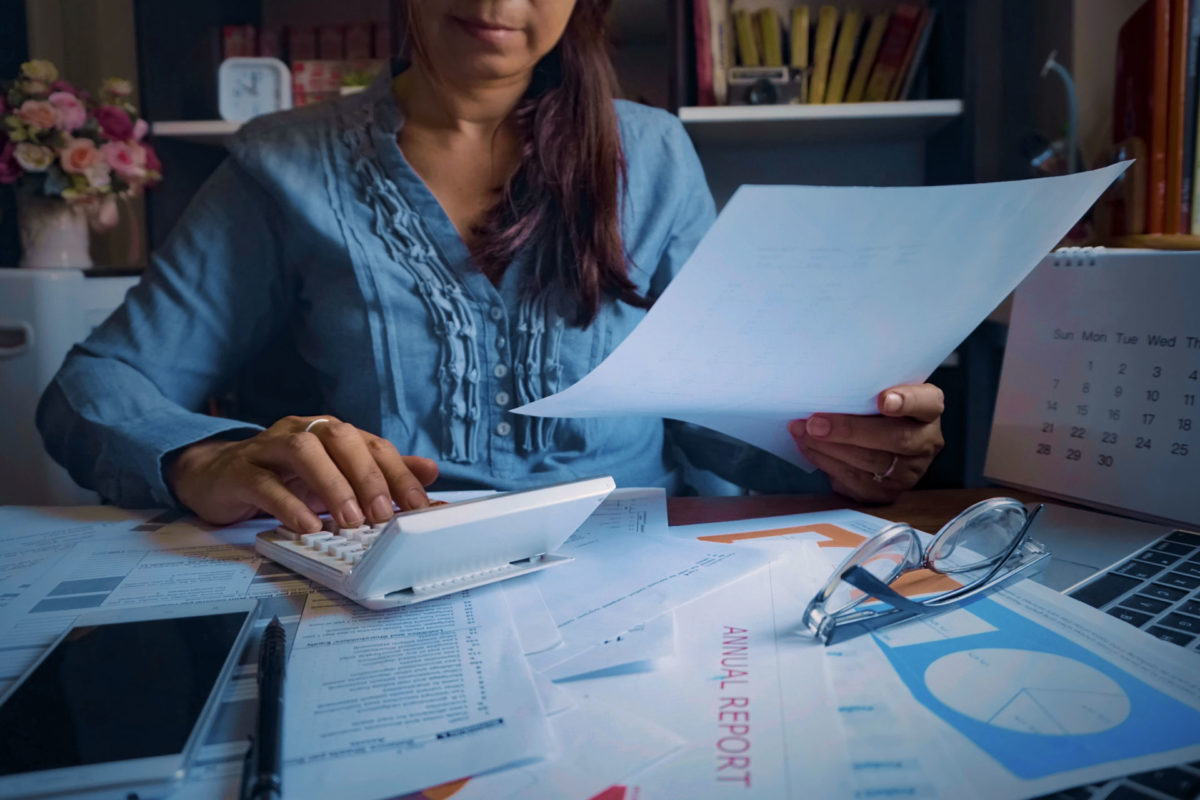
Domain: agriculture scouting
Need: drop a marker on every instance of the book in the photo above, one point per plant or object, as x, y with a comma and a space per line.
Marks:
891, 53
822, 53
800, 37
910, 76
702, 31
843, 57
870, 49
748, 55
1191, 128
1139, 106
771, 37
1177, 75
909, 51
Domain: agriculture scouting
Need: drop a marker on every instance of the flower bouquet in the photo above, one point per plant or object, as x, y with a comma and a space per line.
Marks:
71, 158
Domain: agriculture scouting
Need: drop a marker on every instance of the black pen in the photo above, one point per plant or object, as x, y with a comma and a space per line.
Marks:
264, 765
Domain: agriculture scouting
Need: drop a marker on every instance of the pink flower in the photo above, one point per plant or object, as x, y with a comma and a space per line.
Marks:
71, 113
114, 122
140, 129
152, 162
79, 155
62, 86
126, 159
10, 170
38, 114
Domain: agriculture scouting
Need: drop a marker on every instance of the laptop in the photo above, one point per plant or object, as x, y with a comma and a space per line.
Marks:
1097, 407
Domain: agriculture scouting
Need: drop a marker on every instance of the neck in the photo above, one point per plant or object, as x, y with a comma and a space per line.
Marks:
480, 107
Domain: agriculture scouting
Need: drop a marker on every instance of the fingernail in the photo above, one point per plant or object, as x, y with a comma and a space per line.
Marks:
416, 498
819, 426
381, 508
892, 402
796, 428
351, 515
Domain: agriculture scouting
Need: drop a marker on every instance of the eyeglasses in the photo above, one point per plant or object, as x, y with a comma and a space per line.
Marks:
982, 550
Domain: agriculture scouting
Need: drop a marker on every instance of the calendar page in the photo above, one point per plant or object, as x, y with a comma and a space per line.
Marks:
1098, 395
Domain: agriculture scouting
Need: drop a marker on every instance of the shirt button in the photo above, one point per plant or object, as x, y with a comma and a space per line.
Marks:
500, 371
502, 398
500, 342
503, 429
497, 313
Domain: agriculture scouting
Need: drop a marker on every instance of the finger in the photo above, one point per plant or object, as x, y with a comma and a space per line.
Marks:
922, 401
263, 489
304, 455
347, 446
407, 486
904, 437
875, 462
850, 480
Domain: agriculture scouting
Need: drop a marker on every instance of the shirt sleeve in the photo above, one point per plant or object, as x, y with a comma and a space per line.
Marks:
133, 392
693, 446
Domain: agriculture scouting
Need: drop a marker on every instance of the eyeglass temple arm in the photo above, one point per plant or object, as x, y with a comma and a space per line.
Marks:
864, 581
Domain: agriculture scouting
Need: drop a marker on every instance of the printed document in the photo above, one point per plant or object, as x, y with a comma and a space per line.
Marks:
802, 299
380, 703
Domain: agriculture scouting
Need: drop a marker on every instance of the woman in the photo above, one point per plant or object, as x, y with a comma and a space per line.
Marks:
477, 230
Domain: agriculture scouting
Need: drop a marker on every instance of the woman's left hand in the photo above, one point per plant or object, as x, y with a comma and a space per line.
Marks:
874, 459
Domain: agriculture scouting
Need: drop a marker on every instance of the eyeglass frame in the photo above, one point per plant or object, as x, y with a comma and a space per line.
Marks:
829, 629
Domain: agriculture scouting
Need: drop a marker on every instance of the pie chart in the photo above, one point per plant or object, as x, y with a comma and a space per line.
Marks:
1028, 691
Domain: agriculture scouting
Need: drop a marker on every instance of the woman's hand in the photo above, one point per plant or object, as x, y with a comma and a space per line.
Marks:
293, 473
875, 459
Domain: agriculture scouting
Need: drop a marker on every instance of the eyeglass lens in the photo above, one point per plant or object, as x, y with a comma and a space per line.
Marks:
884, 557
978, 537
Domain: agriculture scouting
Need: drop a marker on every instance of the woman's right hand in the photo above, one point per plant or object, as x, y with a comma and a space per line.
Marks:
293, 473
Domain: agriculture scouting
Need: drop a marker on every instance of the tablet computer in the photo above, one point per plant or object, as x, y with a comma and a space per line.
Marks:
116, 706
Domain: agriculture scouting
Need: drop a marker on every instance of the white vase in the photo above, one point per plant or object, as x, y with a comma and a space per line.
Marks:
54, 233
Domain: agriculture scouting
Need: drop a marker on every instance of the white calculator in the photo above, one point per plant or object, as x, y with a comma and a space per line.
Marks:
435, 551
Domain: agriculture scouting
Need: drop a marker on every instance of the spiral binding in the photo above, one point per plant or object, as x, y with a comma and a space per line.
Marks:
1076, 256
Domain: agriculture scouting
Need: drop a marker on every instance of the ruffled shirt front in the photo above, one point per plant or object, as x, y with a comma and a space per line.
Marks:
318, 274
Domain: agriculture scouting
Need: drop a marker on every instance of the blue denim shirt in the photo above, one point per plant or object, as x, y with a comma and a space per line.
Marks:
317, 265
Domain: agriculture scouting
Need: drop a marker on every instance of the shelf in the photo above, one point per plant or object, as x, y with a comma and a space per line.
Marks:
206, 131
802, 124
1158, 241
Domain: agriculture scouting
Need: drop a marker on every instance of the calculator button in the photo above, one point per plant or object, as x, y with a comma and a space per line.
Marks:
1157, 557
314, 540
1164, 592
1135, 618
1180, 580
1168, 635
1185, 538
1181, 622
1139, 569
287, 533
333, 541
1147, 604
1105, 589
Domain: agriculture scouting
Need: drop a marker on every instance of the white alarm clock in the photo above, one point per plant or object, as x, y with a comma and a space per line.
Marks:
248, 87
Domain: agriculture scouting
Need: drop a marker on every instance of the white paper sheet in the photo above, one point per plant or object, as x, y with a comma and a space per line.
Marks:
628, 571
642, 644
535, 623
803, 299
745, 693
379, 703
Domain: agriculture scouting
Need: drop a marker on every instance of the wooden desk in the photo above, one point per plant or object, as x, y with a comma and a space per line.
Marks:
924, 510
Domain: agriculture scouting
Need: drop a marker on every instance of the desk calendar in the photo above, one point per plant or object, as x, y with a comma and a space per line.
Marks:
1098, 394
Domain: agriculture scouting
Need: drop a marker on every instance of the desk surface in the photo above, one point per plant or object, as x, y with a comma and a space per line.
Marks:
925, 510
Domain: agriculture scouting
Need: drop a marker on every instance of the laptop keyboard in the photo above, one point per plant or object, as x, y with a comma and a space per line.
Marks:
1157, 590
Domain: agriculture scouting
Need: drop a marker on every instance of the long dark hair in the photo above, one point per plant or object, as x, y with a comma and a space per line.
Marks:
563, 201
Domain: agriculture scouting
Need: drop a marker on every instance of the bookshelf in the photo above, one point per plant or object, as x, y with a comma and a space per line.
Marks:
800, 124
